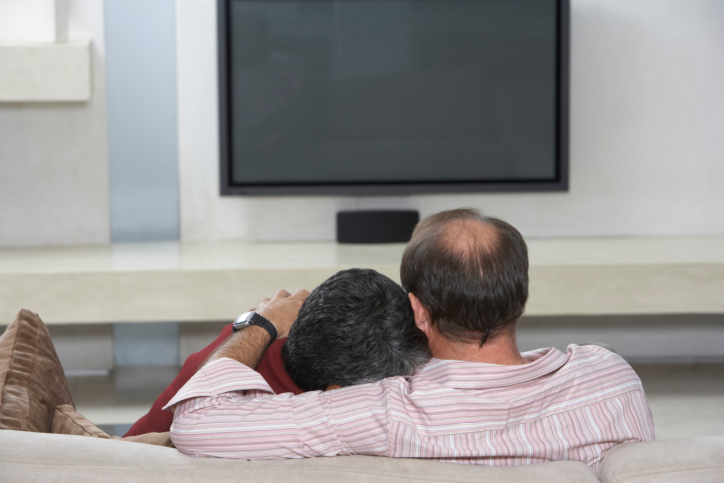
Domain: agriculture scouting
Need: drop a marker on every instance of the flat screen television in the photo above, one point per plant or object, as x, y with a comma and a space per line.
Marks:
355, 97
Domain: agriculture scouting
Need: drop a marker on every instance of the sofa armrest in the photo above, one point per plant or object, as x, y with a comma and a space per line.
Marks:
676, 461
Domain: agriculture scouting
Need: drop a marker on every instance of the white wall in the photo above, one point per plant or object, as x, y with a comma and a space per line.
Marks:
647, 124
54, 157
33, 21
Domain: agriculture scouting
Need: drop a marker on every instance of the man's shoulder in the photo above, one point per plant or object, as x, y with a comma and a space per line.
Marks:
596, 364
600, 350
594, 355
546, 369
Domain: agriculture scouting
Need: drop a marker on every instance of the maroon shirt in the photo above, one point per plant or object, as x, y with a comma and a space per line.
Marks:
270, 367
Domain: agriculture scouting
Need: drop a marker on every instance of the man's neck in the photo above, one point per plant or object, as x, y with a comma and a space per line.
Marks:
500, 349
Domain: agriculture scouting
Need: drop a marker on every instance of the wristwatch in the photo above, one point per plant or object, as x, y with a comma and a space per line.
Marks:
253, 318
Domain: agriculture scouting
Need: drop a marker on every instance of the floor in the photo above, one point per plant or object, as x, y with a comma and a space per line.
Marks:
686, 400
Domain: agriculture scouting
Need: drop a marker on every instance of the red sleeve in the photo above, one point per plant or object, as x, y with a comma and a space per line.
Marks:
270, 367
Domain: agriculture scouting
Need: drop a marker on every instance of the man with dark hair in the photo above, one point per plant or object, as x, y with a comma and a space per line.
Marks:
478, 400
356, 327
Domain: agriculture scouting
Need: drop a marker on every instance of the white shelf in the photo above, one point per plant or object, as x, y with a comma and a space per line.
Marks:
150, 282
53, 72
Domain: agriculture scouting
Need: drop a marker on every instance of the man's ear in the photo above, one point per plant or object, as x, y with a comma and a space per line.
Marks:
422, 316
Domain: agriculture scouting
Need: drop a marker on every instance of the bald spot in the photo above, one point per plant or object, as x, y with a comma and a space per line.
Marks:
469, 239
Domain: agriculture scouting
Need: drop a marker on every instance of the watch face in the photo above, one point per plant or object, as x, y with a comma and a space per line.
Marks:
242, 320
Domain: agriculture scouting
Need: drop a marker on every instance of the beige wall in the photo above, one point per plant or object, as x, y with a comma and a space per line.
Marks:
646, 118
54, 157
646, 143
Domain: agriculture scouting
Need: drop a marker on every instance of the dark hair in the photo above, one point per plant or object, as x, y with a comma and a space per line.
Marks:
469, 271
356, 327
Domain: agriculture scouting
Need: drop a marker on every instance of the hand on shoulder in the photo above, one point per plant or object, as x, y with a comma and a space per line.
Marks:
282, 309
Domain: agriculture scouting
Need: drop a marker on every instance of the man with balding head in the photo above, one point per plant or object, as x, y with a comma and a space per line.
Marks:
467, 280
478, 400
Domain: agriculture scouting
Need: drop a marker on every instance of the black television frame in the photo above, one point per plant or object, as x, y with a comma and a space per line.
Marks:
395, 188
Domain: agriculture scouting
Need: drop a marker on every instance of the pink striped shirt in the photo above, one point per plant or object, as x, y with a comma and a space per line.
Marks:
572, 406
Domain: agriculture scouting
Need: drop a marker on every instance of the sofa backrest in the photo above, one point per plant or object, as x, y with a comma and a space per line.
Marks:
692, 460
26, 456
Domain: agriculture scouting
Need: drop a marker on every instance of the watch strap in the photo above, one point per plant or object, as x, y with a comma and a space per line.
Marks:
261, 321
255, 318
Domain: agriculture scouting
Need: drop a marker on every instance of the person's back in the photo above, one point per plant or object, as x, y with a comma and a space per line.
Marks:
467, 279
558, 406
479, 400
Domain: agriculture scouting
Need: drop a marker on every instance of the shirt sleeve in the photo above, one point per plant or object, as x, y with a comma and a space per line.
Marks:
228, 410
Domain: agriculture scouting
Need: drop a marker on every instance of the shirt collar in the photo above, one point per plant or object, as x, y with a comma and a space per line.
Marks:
479, 375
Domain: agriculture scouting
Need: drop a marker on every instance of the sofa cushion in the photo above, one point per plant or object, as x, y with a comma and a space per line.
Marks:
58, 457
32, 382
678, 460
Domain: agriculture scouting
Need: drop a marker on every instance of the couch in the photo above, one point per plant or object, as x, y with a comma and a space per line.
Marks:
27, 457
43, 438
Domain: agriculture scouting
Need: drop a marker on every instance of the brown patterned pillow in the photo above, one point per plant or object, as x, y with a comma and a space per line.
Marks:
32, 382
68, 421
34, 394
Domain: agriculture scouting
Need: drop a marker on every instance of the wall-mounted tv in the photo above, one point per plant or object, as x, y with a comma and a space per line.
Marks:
393, 96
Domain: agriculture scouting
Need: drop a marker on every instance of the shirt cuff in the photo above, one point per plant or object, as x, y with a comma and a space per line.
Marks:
219, 377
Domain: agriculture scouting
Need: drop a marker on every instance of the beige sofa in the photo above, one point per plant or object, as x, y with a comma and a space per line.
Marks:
43, 438
28, 457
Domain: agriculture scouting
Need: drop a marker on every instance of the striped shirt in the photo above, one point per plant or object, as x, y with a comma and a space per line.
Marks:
572, 406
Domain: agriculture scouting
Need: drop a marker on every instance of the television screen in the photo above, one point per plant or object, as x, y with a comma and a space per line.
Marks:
392, 96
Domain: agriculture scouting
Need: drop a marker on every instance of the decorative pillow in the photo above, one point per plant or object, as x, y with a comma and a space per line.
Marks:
34, 394
68, 421
32, 382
